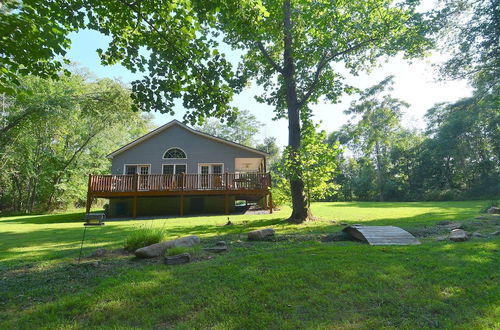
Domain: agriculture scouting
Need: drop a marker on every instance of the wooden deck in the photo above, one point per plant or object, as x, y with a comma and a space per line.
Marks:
381, 235
248, 185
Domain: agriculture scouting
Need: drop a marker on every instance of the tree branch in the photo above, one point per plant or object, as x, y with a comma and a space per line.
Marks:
325, 59
268, 57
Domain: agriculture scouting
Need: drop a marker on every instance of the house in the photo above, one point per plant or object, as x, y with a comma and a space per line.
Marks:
176, 169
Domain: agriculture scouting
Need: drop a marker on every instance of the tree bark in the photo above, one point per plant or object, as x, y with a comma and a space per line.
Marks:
300, 209
379, 172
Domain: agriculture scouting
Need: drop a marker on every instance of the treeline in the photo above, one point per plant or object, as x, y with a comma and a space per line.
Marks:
457, 156
53, 133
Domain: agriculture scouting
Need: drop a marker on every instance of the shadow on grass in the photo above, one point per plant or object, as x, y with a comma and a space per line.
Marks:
303, 285
46, 218
440, 204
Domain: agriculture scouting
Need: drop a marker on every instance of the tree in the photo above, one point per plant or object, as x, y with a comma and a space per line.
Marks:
472, 36
45, 159
380, 115
241, 130
269, 145
290, 48
318, 161
34, 38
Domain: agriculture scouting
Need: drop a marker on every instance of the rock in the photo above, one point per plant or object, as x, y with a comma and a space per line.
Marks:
260, 234
453, 225
217, 249
494, 210
182, 258
441, 238
477, 235
495, 233
98, 253
158, 249
344, 224
444, 223
220, 243
458, 235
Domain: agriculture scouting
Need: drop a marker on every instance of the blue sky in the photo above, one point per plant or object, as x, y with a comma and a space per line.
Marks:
414, 82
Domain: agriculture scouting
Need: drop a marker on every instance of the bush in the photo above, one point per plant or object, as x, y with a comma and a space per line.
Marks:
142, 237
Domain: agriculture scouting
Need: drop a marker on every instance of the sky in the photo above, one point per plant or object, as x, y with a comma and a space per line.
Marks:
415, 83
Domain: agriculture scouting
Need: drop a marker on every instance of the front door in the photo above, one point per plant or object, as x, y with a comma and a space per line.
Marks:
143, 171
210, 176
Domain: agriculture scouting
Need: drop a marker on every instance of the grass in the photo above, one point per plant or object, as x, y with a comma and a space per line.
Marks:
144, 236
295, 282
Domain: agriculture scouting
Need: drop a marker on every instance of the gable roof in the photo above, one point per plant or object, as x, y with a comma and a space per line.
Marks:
176, 122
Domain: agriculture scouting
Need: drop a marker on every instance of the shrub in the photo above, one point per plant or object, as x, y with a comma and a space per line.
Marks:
183, 249
142, 237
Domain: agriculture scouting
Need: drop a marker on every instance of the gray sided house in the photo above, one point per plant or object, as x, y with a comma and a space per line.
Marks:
175, 169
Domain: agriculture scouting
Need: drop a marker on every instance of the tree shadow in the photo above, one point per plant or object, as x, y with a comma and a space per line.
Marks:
398, 286
46, 218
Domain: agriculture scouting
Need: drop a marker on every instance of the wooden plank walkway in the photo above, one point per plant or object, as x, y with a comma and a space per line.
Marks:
381, 235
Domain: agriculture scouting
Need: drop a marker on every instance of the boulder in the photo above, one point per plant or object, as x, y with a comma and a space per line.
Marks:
260, 234
458, 235
495, 233
217, 249
182, 258
477, 235
494, 210
158, 249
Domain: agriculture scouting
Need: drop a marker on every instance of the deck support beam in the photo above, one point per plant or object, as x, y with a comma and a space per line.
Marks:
226, 203
181, 205
271, 206
134, 207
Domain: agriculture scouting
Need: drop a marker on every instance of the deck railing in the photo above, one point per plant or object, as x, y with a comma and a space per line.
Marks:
179, 182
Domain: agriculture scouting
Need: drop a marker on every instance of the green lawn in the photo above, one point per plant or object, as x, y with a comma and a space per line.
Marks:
297, 281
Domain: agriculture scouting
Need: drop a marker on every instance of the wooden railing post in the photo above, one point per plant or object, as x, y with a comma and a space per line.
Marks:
226, 180
136, 182
182, 181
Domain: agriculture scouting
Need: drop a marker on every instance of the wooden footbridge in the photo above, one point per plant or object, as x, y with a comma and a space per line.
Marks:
381, 235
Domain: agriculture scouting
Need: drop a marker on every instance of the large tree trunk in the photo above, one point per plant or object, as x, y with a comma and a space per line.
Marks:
301, 211
380, 180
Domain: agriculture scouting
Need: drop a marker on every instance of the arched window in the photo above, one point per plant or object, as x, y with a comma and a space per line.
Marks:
174, 153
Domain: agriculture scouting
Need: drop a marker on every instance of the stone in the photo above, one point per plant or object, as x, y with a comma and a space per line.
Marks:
458, 235
220, 243
217, 249
441, 238
494, 210
444, 223
453, 225
495, 233
260, 234
182, 258
98, 253
158, 249
477, 235
344, 224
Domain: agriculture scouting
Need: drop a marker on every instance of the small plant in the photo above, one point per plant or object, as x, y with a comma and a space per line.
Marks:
144, 236
183, 249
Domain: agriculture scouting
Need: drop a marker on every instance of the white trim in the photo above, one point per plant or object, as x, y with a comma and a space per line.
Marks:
174, 165
176, 122
202, 164
185, 153
125, 166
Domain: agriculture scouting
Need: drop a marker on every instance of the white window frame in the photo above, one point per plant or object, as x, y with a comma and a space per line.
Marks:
163, 155
210, 167
137, 168
174, 165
